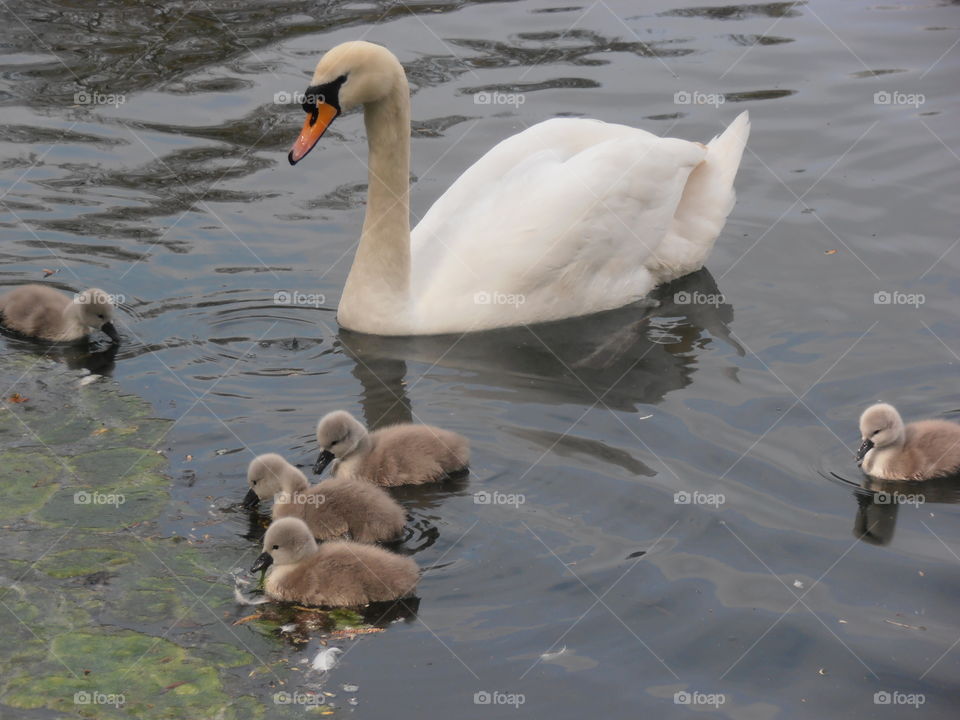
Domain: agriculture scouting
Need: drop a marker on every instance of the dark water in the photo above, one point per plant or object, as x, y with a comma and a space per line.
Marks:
181, 200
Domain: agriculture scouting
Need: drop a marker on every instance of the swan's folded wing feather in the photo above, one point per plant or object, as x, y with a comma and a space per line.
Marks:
554, 222
565, 137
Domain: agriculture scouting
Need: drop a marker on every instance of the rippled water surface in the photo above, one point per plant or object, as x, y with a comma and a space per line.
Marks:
142, 151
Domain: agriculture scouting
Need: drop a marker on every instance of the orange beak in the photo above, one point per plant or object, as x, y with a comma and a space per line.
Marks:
313, 129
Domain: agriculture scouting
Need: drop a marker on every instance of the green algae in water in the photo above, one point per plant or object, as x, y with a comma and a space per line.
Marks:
28, 481
116, 468
83, 561
94, 615
111, 508
147, 677
345, 619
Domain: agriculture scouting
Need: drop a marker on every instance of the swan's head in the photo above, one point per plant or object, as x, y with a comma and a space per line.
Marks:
94, 308
287, 542
351, 74
338, 435
269, 474
880, 425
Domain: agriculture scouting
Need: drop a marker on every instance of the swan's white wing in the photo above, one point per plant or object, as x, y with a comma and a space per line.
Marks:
561, 219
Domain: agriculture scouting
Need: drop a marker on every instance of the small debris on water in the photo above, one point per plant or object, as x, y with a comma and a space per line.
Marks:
326, 659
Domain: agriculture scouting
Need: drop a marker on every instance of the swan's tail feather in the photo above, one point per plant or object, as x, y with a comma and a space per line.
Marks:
724, 153
708, 197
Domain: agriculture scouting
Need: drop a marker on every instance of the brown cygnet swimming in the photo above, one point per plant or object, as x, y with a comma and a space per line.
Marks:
335, 508
919, 451
335, 573
403, 454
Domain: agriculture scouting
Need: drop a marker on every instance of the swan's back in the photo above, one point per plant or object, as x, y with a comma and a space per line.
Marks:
567, 218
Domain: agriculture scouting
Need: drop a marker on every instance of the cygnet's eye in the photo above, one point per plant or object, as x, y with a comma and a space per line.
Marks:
275, 547
874, 433
254, 482
100, 315
334, 443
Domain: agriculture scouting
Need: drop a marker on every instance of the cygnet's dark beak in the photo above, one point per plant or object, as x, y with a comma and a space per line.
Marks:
326, 457
865, 447
262, 563
111, 331
250, 500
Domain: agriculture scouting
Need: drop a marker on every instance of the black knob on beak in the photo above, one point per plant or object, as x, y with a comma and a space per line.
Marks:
326, 457
865, 447
264, 561
111, 331
250, 500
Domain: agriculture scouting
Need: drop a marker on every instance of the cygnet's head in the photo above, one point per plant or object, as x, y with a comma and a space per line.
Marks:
269, 474
338, 435
287, 542
94, 308
350, 74
880, 426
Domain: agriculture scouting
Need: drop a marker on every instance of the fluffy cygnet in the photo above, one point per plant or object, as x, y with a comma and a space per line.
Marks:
403, 454
40, 311
336, 573
918, 451
331, 508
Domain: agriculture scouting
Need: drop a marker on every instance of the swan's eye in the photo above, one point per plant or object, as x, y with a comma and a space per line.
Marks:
874, 433
100, 315
275, 547
342, 79
254, 482
334, 443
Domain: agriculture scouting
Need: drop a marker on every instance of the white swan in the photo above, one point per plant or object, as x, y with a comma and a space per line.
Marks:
566, 218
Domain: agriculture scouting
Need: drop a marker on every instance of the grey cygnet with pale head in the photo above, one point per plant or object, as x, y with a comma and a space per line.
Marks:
39, 311
403, 454
921, 450
336, 573
332, 509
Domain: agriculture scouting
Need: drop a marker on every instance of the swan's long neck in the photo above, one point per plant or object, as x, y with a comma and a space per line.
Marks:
379, 281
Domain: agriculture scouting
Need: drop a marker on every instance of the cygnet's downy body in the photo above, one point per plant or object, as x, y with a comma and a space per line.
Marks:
336, 573
921, 450
404, 454
39, 311
335, 508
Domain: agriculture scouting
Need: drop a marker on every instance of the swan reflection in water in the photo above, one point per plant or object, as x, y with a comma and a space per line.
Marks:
622, 358
95, 356
879, 502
